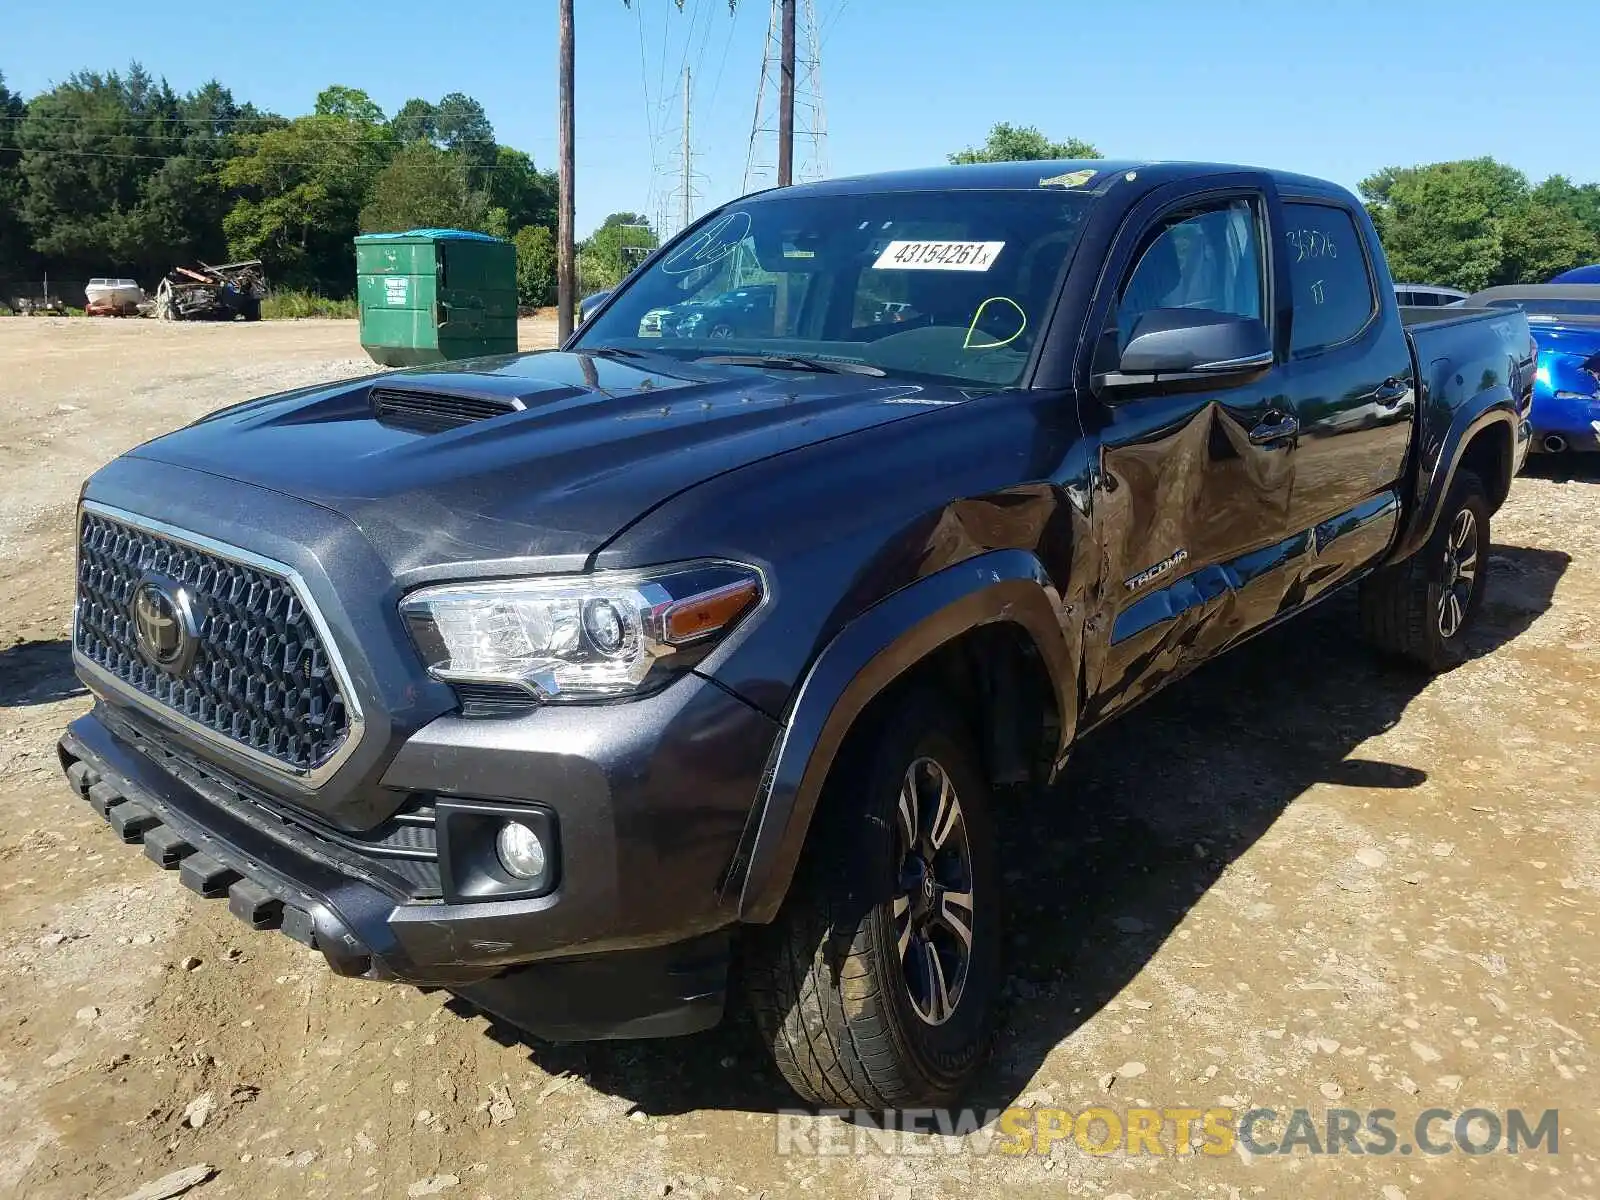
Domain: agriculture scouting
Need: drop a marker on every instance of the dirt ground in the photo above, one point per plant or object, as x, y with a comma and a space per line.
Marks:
1302, 879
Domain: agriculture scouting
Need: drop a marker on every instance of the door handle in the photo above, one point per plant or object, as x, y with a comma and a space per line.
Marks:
1274, 427
1391, 391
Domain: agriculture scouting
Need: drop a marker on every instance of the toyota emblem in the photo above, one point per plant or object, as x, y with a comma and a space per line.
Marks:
164, 624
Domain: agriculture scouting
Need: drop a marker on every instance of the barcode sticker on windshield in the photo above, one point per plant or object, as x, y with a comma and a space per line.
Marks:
938, 256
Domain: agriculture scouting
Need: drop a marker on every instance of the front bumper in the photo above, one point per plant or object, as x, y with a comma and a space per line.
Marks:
652, 800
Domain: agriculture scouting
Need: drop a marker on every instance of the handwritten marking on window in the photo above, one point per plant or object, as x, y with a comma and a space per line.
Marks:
989, 342
1311, 243
711, 245
1317, 294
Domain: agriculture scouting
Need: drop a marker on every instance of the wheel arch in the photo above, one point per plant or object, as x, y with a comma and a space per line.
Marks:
1481, 438
1005, 594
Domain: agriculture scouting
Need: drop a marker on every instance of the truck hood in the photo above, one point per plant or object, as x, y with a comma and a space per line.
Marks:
591, 444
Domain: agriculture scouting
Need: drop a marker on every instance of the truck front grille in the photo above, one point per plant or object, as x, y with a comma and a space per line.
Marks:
259, 674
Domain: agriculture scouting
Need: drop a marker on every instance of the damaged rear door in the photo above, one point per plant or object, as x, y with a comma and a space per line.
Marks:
1195, 477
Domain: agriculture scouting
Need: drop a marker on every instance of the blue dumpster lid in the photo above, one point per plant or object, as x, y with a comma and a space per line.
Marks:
435, 235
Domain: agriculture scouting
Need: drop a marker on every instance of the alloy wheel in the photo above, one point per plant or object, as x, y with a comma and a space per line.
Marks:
933, 898
1460, 572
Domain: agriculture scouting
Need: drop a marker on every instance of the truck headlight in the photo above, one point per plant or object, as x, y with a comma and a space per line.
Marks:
580, 637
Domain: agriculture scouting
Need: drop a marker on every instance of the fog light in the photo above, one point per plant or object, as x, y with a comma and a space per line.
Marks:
520, 850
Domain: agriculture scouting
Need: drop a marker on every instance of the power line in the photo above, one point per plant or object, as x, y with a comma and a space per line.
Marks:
271, 128
688, 38
716, 85
831, 21
661, 74
283, 162
157, 116
705, 40
649, 115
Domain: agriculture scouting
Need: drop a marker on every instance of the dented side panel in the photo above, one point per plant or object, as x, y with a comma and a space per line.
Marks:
1182, 493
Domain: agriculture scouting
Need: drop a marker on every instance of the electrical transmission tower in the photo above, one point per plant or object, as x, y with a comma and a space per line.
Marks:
677, 211
810, 115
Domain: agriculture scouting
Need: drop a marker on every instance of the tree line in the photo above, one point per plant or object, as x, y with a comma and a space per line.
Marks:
1471, 224
117, 174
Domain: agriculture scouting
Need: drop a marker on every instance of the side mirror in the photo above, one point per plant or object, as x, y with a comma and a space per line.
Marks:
1191, 343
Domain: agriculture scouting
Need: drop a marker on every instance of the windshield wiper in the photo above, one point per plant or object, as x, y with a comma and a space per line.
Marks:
793, 362
611, 352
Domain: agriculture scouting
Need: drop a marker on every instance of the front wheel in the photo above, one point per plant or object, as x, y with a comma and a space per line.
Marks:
1423, 608
875, 986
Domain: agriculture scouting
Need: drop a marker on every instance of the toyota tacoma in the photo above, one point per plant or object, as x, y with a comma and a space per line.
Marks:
560, 680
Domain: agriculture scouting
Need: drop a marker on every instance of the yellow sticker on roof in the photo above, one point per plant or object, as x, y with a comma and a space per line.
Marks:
1071, 179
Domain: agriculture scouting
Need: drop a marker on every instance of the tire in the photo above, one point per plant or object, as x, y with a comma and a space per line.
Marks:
1422, 609
850, 1011
721, 332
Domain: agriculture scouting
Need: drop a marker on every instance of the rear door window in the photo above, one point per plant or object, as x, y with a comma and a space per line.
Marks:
1331, 281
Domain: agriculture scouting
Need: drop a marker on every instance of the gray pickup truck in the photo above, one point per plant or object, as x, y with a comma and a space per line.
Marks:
558, 680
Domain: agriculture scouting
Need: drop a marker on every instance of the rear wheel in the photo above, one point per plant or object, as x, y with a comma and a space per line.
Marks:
1421, 609
875, 986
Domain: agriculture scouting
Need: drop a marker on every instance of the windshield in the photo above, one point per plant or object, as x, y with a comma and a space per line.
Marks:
1552, 308
946, 287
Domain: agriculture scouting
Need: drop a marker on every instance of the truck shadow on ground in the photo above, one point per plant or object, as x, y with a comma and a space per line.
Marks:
1149, 814
37, 673
1564, 468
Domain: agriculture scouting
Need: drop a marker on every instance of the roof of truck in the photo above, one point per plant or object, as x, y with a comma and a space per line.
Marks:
1094, 175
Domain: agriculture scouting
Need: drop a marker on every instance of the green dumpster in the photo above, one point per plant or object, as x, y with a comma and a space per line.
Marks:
428, 295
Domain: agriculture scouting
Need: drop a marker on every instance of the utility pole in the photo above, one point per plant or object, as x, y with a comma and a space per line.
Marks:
688, 204
791, 84
566, 261
786, 99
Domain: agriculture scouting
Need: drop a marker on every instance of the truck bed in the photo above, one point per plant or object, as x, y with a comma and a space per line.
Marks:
1453, 338
1440, 315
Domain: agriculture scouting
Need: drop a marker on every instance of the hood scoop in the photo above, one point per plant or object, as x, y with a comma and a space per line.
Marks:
433, 410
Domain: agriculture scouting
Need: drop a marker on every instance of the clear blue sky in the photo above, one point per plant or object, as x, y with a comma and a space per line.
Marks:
1336, 90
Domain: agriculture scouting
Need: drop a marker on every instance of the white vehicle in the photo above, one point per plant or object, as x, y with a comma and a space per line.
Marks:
118, 293
1426, 295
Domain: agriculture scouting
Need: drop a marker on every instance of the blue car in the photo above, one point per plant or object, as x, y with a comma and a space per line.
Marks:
1565, 321
1590, 274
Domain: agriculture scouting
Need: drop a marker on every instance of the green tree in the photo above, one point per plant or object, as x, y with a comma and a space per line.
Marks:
536, 266
15, 253
348, 104
80, 169
119, 174
1022, 143
1445, 223
526, 194
1542, 240
463, 127
417, 121
301, 188
422, 187
614, 249
116, 173
1581, 200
